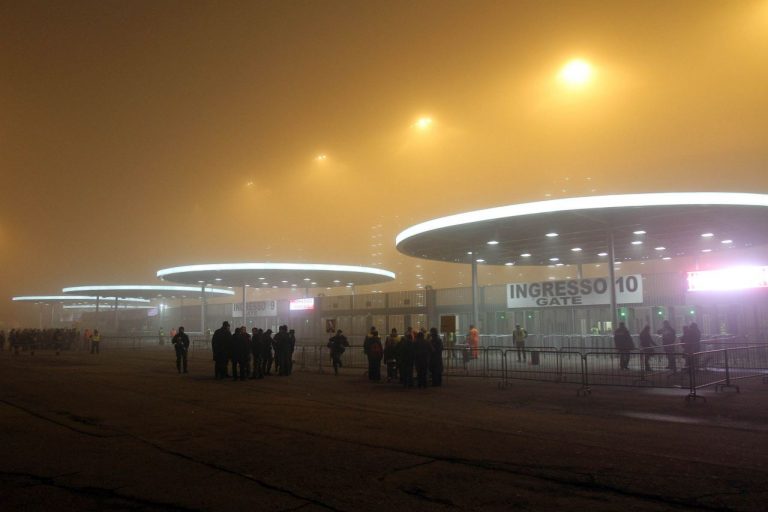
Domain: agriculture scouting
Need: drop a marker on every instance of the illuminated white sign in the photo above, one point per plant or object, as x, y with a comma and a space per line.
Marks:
735, 278
574, 292
302, 304
258, 308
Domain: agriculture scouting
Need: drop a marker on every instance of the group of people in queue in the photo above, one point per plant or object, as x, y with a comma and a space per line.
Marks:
690, 341
250, 355
421, 351
30, 340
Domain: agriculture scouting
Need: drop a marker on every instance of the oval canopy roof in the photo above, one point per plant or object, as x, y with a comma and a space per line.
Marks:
280, 275
576, 230
72, 299
148, 291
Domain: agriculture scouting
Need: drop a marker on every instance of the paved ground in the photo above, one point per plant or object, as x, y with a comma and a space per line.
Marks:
122, 430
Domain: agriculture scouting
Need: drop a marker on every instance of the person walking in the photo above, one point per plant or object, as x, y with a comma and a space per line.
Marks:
518, 338
180, 343
623, 341
220, 345
436, 359
668, 337
337, 344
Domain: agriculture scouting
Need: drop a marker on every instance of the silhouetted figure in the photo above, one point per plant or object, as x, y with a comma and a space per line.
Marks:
241, 348
406, 356
337, 345
181, 345
375, 352
390, 354
282, 350
221, 346
422, 351
647, 344
266, 352
691, 342
256, 351
436, 359
518, 337
668, 337
623, 341
95, 341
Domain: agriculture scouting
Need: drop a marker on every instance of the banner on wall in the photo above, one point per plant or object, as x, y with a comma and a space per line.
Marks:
256, 309
575, 292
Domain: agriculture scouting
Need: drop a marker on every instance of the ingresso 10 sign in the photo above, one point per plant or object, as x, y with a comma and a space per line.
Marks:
574, 292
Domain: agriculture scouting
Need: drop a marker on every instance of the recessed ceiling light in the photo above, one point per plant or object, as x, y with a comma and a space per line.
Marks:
283, 281
559, 264
554, 259
508, 264
480, 260
666, 258
726, 241
218, 279
307, 279
706, 250
707, 235
576, 249
602, 254
492, 242
660, 248
639, 232
617, 262
525, 255
469, 253
336, 281
637, 242
551, 235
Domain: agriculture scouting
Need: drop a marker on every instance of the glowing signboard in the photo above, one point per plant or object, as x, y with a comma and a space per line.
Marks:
735, 278
302, 304
575, 292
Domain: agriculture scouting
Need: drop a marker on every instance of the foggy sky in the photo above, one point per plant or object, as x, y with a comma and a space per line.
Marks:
130, 131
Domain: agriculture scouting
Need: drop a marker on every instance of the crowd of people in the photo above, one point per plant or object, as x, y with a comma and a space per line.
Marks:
690, 340
418, 351
249, 356
18, 340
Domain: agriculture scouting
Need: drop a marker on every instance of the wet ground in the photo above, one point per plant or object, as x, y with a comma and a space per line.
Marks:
123, 431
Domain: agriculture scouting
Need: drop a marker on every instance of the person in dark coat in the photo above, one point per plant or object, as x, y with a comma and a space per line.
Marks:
282, 349
291, 348
691, 342
221, 345
181, 345
647, 344
668, 337
375, 352
241, 347
623, 341
337, 345
256, 350
266, 352
422, 352
406, 356
436, 359
390, 354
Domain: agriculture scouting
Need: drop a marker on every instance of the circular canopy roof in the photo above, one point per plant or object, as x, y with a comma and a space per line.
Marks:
279, 275
73, 299
148, 291
575, 230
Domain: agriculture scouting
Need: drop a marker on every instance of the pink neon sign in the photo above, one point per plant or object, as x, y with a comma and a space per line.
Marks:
735, 278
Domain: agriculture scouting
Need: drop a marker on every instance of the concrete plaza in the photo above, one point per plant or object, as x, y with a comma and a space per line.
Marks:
122, 430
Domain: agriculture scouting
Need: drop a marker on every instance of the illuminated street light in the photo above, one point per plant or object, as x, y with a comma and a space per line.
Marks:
576, 72
321, 158
423, 123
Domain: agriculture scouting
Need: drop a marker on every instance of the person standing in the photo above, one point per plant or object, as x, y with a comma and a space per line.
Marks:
220, 345
282, 349
668, 337
518, 338
375, 352
406, 356
266, 352
256, 350
181, 345
623, 341
241, 345
473, 341
691, 343
95, 341
390, 354
436, 359
337, 344
647, 344
291, 348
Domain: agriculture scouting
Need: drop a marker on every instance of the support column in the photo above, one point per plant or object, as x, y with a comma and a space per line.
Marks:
245, 306
202, 310
475, 297
116, 319
181, 312
98, 300
612, 280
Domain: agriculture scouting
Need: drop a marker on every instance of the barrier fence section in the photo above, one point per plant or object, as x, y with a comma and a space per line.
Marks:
721, 367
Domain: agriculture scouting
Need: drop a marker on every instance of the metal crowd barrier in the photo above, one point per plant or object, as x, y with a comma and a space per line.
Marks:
722, 367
